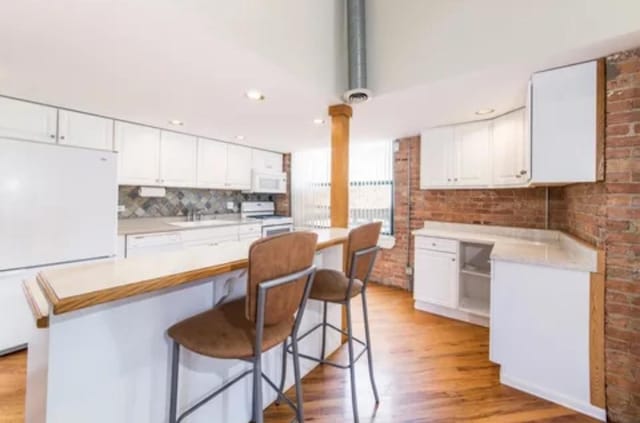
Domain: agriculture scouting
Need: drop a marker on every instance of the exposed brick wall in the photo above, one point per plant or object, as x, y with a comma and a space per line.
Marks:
283, 201
621, 237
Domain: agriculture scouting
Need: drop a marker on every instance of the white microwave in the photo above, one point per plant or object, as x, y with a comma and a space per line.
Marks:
269, 183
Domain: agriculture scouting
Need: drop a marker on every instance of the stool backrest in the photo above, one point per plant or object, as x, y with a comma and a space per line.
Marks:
273, 258
360, 239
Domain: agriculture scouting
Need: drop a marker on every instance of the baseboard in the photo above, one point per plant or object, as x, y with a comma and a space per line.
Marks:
452, 313
577, 405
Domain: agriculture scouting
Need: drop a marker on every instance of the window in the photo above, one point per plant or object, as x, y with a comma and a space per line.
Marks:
370, 191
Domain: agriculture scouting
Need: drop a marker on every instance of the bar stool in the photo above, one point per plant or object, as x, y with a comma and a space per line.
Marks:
279, 280
332, 286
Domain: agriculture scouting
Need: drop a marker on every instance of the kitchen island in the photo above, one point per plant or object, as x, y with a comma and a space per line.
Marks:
103, 354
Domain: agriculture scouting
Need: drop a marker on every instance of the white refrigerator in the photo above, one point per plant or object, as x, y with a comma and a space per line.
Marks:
58, 206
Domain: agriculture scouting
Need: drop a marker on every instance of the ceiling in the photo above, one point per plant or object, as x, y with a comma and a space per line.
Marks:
431, 62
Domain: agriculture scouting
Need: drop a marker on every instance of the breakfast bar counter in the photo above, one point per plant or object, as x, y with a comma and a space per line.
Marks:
104, 354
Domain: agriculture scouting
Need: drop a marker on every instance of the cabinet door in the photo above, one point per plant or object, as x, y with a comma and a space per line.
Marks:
85, 130
436, 147
178, 159
472, 154
212, 164
564, 124
436, 278
139, 154
266, 161
27, 121
238, 167
509, 149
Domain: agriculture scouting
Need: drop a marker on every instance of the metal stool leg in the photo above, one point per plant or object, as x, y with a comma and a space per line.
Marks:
368, 339
283, 373
324, 330
173, 398
352, 367
258, 416
298, 381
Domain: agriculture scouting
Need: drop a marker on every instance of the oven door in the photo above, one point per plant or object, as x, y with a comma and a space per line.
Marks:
276, 229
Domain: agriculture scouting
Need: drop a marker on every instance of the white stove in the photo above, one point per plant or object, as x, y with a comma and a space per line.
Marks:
264, 211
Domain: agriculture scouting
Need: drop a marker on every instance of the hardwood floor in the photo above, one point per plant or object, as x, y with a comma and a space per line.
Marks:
428, 369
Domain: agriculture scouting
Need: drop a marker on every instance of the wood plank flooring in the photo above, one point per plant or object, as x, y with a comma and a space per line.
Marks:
428, 369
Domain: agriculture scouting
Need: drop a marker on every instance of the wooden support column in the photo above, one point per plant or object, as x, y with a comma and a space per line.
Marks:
340, 116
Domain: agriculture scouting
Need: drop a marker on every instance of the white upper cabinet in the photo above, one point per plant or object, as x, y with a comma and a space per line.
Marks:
138, 154
238, 167
566, 124
266, 161
27, 121
223, 166
84, 130
472, 154
212, 164
455, 156
178, 159
436, 157
510, 152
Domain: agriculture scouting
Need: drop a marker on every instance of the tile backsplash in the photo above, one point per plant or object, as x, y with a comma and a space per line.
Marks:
178, 201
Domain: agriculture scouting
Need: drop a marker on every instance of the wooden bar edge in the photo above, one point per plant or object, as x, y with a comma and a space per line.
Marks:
90, 299
596, 333
41, 317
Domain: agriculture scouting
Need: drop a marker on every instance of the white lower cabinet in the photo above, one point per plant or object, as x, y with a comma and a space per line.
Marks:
452, 279
436, 279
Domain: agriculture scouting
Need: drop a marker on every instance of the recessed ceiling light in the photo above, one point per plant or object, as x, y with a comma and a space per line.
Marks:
254, 95
318, 121
239, 137
485, 111
176, 122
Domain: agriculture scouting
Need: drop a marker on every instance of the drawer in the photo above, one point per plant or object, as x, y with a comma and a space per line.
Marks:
250, 230
436, 244
210, 233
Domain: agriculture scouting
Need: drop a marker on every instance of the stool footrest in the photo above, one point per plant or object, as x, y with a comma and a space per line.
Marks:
325, 361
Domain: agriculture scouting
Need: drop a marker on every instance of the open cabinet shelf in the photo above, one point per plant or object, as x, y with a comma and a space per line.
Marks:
474, 283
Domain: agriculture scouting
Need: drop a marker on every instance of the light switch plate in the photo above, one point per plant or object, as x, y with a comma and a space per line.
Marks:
230, 205
121, 208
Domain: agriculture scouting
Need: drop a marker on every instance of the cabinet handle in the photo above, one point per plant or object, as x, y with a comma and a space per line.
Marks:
523, 172
518, 176
61, 137
433, 244
52, 136
453, 259
455, 179
449, 179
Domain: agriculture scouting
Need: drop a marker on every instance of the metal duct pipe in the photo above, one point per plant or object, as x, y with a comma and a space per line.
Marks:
356, 23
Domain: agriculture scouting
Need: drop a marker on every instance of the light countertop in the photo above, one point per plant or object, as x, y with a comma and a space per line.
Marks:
530, 246
85, 285
143, 225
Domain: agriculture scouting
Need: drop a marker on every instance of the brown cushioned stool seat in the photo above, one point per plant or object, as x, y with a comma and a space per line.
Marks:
331, 285
225, 332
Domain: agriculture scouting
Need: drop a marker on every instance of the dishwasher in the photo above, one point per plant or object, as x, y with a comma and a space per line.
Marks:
138, 245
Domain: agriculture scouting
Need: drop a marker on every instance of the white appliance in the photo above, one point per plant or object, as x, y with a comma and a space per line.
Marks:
58, 206
138, 245
264, 212
268, 183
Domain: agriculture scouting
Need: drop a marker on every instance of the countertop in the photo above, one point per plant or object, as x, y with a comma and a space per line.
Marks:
85, 285
144, 225
529, 246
